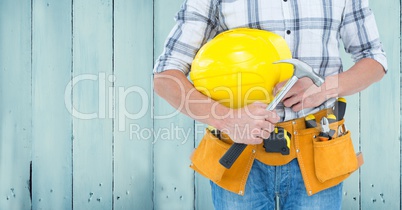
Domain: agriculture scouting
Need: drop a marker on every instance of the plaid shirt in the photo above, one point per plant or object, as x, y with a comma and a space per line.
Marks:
312, 29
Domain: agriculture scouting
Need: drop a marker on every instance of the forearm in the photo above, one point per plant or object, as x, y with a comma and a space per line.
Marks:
174, 87
254, 121
360, 76
305, 94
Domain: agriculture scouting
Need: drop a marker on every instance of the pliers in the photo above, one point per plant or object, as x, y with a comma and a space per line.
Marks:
326, 133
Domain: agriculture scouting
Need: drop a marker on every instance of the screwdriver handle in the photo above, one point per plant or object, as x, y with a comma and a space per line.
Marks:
331, 118
232, 154
310, 121
340, 108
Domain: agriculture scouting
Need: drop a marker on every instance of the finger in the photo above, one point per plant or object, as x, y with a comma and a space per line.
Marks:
267, 126
306, 103
251, 140
265, 134
255, 133
291, 101
256, 141
313, 100
297, 107
278, 87
273, 117
255, 137
260, 104
257, 115
298, 88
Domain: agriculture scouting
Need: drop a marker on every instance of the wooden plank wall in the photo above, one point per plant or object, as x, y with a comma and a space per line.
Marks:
380, 139
174, 180
80, 127
133, 58
52, 132
92, 130
15, 104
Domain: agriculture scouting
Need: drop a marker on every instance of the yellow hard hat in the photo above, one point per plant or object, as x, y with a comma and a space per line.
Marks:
235, 68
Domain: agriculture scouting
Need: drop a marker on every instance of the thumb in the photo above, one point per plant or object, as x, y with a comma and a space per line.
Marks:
260, 104
278, 87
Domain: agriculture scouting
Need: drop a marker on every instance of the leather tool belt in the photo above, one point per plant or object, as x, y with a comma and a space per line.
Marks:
323, 164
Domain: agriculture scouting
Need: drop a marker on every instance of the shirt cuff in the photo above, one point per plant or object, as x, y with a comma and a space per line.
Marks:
382, 59
159, 67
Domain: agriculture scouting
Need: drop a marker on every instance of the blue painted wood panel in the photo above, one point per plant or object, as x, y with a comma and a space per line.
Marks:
92, 129
133, 125
174, 180
123, 151
351, 187
15, 104
51, 120
380, 120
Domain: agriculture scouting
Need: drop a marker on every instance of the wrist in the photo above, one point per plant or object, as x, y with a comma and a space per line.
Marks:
220, 115
331, 87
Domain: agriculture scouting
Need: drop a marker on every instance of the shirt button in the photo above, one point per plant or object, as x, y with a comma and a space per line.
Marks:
288, 32
285, 0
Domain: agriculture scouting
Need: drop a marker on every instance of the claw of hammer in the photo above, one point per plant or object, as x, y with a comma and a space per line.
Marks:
301, 69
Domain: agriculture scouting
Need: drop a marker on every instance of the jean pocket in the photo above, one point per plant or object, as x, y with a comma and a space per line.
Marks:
334, 158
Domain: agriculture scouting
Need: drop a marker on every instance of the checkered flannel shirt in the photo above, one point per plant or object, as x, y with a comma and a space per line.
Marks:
312, 29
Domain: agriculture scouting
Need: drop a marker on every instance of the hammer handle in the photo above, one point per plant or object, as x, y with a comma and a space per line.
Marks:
232, 154
236, 149
305, 71
285, 89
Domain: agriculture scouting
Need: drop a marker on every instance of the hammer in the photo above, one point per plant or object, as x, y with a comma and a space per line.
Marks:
301, 70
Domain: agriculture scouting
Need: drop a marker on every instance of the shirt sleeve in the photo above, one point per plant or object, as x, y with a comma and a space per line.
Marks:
196, 23
359, 33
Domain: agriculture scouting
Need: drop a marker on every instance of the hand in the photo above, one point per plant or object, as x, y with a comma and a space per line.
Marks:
250, 124
304, 94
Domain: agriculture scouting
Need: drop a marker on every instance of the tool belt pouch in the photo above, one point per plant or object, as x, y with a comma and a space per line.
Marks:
334, 158
205, 161
325, 164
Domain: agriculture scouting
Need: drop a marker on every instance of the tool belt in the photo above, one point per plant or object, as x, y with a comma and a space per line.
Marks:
323, 164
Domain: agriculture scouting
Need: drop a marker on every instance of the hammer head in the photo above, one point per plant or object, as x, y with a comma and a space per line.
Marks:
302, 69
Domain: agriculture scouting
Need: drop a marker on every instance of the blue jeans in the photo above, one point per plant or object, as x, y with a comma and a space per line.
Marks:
268, 183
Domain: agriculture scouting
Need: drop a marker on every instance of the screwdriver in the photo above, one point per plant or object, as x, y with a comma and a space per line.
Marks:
331, 118
310, 121
340, 108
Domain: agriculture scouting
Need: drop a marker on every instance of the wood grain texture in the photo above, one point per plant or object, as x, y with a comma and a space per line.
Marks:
15, 104
174, 180
133, 53
92, 150
120, 153
380, 120
351, 186
52, 130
